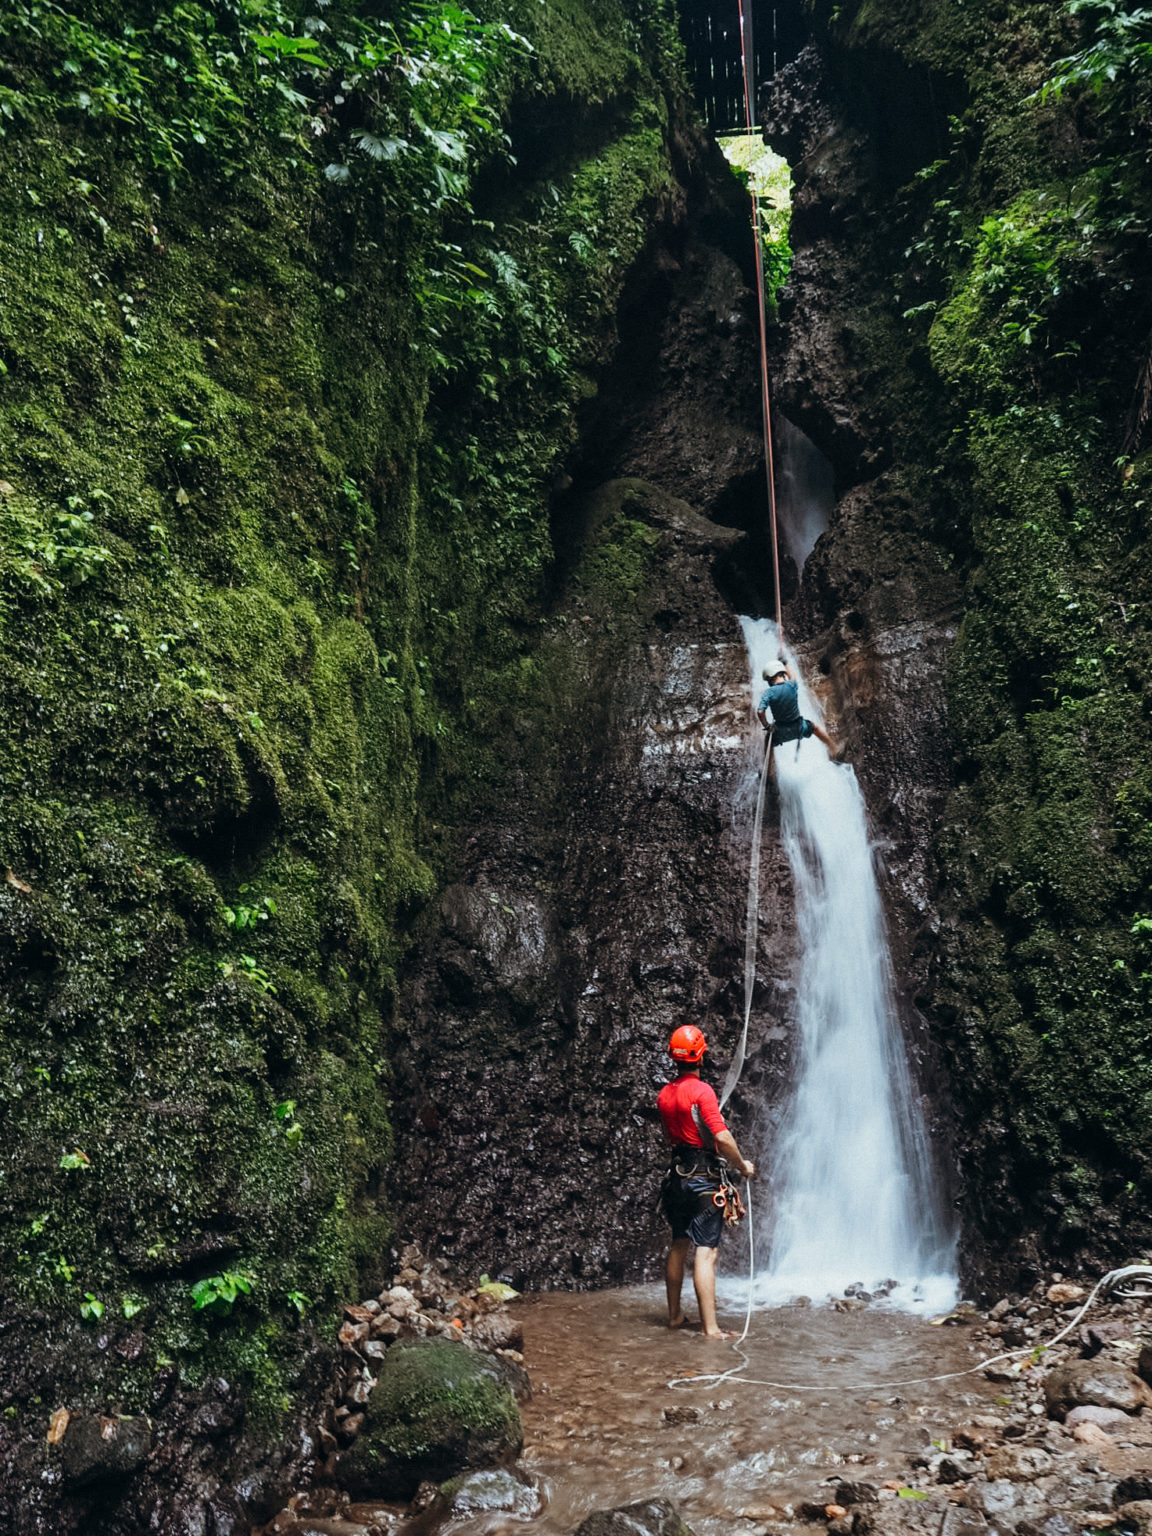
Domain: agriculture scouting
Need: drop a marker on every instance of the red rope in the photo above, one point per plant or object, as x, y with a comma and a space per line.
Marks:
766, 409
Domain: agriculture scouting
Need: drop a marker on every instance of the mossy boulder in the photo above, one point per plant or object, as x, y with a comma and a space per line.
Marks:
437, 1409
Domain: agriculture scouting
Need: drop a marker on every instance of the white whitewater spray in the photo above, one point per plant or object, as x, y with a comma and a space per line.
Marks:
853, 1195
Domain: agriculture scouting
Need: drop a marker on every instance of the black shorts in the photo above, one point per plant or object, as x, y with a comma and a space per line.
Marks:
689, 1206
795, 730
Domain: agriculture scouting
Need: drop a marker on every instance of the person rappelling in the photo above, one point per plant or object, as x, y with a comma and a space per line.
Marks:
698, 1194
782, 697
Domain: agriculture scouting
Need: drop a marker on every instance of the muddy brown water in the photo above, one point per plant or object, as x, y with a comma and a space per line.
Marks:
597, 1432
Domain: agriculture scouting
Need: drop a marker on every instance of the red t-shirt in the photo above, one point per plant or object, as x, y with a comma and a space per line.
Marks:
685, 1106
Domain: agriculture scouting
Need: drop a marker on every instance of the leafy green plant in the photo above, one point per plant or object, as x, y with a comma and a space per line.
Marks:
299, 1301
1120, 52
131, 1304
91, 1308
76, 1159
218, 1293
242, 917
285, 1113
248, 966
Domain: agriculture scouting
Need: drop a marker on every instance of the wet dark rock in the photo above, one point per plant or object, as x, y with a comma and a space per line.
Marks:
437, 1408
214, 1419
952, 1470
1144, 1364
228, 1516
318, 1525
97, 1450
1096, 1336
494, 1490
499, 1330
1099, 1383
856, 1493
958, 1521
1051, 1525
655, 1517
1133, 1490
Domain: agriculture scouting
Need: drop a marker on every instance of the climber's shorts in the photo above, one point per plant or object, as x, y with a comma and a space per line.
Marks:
795, 730
688, 1205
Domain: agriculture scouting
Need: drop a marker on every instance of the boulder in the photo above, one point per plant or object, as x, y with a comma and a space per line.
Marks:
654, 1517
1019, 1463
494, 1490
498, 1331
1137, 1516
1106, 1418
437, 1409
97, 1450
1064, 1294
1095, 1383
856, 1493
999, 1499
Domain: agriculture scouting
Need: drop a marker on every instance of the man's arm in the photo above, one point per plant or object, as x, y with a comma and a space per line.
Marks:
725, 1144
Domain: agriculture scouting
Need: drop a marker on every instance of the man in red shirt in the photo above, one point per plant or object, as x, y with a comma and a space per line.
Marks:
694, 1125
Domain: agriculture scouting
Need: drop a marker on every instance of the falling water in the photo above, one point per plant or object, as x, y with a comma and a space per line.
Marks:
852, 1190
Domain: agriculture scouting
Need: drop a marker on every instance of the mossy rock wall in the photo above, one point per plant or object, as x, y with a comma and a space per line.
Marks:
276, 450
1002, 323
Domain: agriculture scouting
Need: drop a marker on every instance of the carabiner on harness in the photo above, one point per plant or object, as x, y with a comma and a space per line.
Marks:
727, 1198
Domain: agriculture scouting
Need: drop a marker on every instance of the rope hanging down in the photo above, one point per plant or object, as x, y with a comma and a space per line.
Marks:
747, 57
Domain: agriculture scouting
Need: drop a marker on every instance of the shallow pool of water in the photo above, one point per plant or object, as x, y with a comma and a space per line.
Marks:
604, 1427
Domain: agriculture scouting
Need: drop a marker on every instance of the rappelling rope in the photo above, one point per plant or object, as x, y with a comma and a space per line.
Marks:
751, 926
1107, 1282
747, 63
752, 916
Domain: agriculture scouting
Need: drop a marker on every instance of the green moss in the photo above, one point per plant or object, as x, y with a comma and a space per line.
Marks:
436, 1406
1016, 238
274, 539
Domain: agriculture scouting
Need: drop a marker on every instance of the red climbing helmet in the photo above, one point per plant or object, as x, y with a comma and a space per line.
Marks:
687, 1045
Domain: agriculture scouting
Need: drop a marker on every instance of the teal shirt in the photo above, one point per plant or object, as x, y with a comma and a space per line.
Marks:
783, 699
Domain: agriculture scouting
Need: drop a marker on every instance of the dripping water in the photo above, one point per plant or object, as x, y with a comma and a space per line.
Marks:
852, 1192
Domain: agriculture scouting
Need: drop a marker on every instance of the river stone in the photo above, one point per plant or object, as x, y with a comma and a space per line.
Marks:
1089, 1413
654, 1517
437, 1409
857, 1493
999, 1498
99, 1450
958, 1521
494, 1490
1019, 1463
1137, 1515
1095, 1383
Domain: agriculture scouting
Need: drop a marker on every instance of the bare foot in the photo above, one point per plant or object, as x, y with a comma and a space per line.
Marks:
678, 1321
720, 1333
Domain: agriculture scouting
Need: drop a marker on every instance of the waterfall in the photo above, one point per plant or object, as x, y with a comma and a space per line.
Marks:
852, 1194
